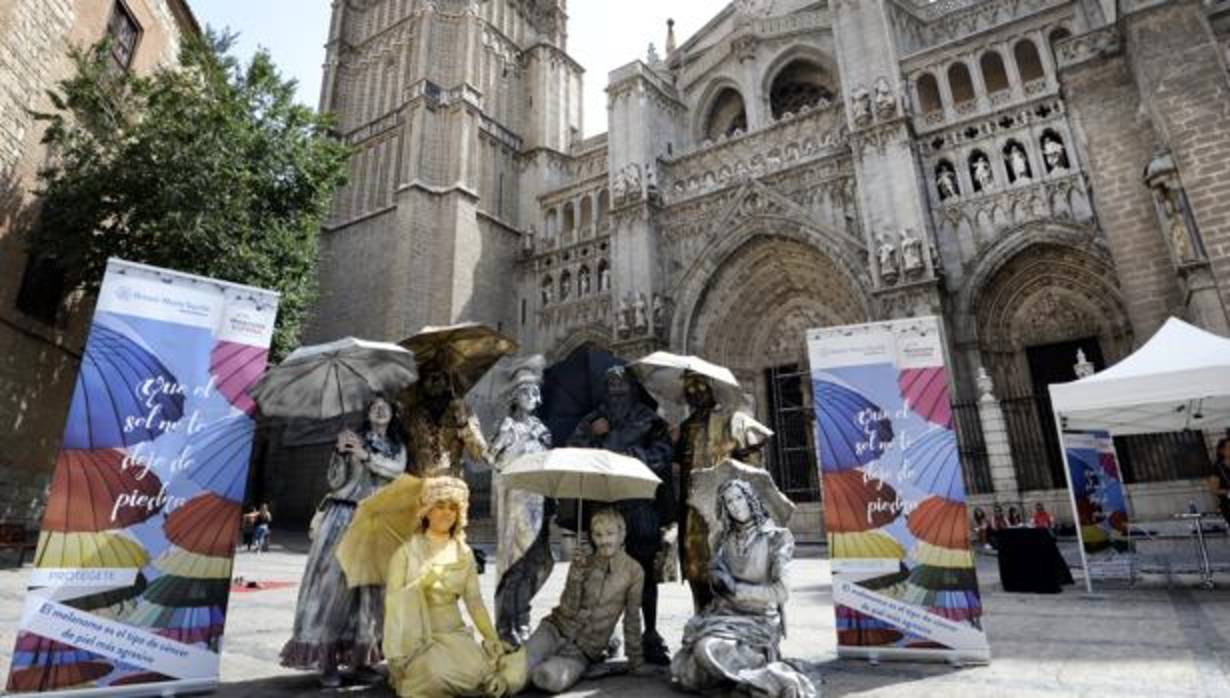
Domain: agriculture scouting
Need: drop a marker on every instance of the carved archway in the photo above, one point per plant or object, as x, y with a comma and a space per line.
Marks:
753, 309
595, 336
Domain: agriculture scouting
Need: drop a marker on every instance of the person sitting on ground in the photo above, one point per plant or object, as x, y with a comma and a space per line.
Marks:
431, 652
603, 584
1042, 519
982, 528
1014, 518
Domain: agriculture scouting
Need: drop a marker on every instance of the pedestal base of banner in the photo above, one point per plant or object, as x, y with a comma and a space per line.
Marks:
913, 654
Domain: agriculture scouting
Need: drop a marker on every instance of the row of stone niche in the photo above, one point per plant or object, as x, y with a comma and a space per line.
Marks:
583, 283
1016, 165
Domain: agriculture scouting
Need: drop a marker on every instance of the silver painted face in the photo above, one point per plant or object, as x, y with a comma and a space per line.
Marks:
737, 505
528, 397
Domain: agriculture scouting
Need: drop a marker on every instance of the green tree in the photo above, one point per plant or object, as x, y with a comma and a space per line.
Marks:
207, 166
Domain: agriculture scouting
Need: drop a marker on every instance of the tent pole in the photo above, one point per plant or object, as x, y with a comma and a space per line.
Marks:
1076, 516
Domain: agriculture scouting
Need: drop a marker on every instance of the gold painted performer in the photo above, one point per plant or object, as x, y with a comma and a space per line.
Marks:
430, 650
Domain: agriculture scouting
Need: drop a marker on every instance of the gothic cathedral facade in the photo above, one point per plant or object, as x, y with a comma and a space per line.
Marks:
1047, 175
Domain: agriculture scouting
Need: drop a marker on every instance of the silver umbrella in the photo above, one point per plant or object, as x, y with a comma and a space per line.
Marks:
323, 381
661, 373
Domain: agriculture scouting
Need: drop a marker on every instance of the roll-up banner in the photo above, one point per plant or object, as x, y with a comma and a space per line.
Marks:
1101, 507
133, 568
904, 581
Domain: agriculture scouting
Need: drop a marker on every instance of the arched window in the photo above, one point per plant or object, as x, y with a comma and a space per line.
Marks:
980, 171
726, 116
946, 181
1058, 34
1028, 62
604, 204
583, 281
551, 227
960, 83
587, 211
565, 285
1016, 162
548, 290
1054, 154
604, 276
993, 74
929, 94
570, 217
800, 84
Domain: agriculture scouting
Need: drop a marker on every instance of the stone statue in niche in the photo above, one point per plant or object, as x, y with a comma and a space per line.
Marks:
621, 316
980, 167
862, 106
657, 311
547, 292
640, 311
946, 181
886, 102
886, 253
1018, 164
1177, 234
604, 278
583, 282
911, 253
1053, 154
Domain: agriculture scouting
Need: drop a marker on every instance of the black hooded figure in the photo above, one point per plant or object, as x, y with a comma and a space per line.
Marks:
624, 424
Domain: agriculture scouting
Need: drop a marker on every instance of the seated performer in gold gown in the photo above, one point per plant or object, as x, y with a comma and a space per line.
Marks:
430, 650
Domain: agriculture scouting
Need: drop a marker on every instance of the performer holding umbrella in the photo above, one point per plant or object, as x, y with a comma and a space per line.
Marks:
441, 427
339, 623
624, 424
718, 427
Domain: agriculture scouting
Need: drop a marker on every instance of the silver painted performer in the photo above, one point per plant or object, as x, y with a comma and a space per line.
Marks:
524, 559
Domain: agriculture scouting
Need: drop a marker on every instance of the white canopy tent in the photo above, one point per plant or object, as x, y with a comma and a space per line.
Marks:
1180, 379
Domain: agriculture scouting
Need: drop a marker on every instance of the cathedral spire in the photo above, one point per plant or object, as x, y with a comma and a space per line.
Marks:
670, 37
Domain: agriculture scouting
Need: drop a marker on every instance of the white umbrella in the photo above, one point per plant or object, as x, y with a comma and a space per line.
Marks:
662, 375
581, 473
327, 380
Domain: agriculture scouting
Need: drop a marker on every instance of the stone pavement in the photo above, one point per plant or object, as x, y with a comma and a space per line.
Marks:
1146, 643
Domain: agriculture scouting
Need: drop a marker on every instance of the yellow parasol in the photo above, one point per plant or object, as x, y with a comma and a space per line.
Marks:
381, 524
89, 549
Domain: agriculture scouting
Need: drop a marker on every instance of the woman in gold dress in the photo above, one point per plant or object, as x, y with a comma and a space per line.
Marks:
430, 651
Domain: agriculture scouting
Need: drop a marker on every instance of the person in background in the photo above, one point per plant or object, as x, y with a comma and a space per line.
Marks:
1042, 519
247, 527
1219, 482
982, 528
261, 535
1014, 518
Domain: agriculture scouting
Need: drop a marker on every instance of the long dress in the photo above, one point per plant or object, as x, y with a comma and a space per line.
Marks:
430, 650
334, 624
735, 639
524, 559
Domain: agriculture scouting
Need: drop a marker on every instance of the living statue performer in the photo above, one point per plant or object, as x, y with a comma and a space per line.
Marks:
603, 584
524, 559
336, 625
430, 650
710, 434
734, 642
441, 427
623, 423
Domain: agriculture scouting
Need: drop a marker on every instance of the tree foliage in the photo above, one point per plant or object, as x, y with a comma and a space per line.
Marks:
207, 166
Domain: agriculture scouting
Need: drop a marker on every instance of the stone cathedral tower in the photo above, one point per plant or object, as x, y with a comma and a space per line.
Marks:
459, 111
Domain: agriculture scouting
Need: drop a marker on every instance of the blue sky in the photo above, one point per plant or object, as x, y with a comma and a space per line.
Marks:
603, 35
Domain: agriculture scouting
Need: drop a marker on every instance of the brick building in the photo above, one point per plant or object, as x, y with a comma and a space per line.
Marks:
1047, 175
42, 332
